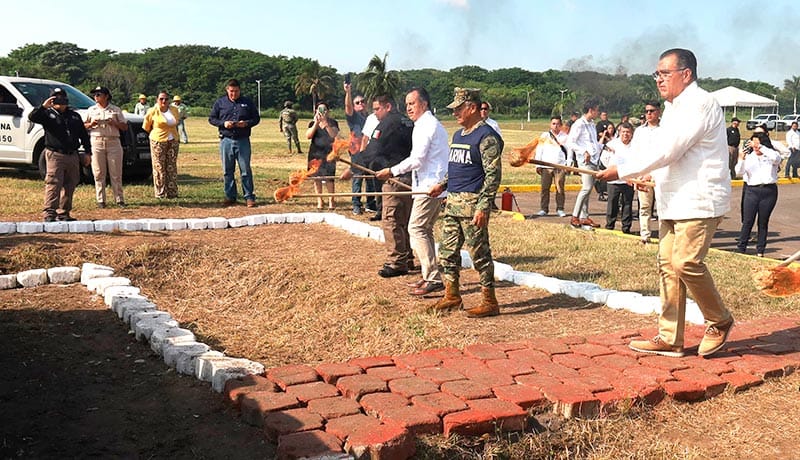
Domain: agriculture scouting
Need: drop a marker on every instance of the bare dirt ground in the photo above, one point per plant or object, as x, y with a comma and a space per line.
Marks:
74, 384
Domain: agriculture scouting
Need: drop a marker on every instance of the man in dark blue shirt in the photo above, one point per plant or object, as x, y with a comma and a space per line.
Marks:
235, 115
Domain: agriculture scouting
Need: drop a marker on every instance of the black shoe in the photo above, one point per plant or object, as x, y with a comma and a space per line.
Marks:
101, 205
602, 197
66, 218
122, 204
50, 219
389, 272
371, 210
376, 217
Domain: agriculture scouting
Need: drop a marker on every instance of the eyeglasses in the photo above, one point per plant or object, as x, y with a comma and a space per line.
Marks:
650, 110
358, 102
484, 108
665, 74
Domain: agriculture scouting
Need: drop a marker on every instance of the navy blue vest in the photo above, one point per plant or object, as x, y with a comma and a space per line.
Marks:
465, 170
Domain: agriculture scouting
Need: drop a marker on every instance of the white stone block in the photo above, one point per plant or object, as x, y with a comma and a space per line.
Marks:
256, 219
64, 275
127, 225
81, 226
598, 296
236, 370
29, 227
276, 218
120, 302
8, 281
139, 315
550, 284
106, 226
527, 279
622, 299
92, 271
236, 222
56, 227
32, 278
503, 272
174, 224
99, 285
376, 234
315, 217
171, 335
188, 365
90, 266
118, 291
335, 220
644, 305
295, 218
152, 225
143, 328
196, 224
8, 227
174, 352
126, 307
216, 223
693, 313
577, 289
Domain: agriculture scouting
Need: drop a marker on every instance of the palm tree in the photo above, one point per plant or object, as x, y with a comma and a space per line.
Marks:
792, 85
376, 80
315, 80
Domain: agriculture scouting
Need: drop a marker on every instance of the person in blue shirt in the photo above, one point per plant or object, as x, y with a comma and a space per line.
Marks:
235, 115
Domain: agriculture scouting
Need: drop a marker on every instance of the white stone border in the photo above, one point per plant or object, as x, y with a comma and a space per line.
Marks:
179, 347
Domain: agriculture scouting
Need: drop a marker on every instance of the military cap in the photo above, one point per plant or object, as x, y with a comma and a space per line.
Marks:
463, 95
101, 90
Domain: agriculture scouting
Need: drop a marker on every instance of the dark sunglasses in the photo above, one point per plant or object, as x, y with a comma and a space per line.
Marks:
358, 102
484, 108
650, 110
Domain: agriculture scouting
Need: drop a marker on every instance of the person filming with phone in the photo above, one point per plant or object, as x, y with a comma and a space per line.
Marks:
322, 131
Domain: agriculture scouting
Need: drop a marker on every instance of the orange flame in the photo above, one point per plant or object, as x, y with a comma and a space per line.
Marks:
338, 145
295, 179
524, 154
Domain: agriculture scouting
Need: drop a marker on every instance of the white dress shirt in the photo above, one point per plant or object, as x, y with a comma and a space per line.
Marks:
549, 149
583, 138
616, 150
688, 158
793, 139
430, 153
759, 169
494, 125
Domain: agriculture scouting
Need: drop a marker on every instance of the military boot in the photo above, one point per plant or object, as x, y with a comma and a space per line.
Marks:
452, 297
488, 306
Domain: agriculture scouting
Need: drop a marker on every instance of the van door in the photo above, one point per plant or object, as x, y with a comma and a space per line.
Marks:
12, 129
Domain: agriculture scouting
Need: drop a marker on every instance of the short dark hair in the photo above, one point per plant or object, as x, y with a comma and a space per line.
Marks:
655, 104
625, 125
685, 58
590, 104
422, 94
234, 83
383, 99
556, 117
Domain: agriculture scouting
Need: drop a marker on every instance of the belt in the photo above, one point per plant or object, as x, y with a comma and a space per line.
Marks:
762, 185
104, 137
60, 152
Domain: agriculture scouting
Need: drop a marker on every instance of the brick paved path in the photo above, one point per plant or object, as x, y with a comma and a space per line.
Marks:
376, 405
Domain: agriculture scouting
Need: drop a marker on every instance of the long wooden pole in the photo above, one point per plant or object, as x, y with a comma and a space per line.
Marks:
337, 194
586, 171
369, 171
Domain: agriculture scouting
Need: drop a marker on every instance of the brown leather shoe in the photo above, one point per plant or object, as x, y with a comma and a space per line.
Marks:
589, 222
575, 222
228, 203
715, 337
488, 306
427, 287
416, 284
251, 203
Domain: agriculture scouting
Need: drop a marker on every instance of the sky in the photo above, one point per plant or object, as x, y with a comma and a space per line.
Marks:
730, 38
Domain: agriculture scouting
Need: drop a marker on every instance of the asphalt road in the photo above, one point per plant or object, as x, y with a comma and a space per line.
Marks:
783, 239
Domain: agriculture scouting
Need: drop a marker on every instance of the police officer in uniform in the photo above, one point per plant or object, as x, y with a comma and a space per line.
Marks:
64, 133
473, 176
390, 144
287, 124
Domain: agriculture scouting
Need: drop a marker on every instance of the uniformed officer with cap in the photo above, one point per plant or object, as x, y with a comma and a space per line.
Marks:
142, 106
104, 121
473, 176
64, 134
183, 113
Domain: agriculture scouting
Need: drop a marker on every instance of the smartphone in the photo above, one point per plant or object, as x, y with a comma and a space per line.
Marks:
347, 78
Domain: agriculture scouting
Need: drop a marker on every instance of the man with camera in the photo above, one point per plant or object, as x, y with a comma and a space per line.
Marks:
64, 134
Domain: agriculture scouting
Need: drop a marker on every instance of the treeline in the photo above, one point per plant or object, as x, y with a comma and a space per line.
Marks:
198, 73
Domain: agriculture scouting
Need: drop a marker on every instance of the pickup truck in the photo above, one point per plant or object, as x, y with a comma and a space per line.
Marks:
22, 142
786, 122
769, 119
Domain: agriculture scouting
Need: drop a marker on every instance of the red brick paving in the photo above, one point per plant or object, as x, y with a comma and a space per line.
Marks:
377, 405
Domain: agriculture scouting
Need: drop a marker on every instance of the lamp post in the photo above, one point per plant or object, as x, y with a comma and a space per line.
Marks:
258, 82
529, 105
562, 91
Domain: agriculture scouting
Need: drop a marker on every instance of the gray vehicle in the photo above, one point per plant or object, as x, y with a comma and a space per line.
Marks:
22, 142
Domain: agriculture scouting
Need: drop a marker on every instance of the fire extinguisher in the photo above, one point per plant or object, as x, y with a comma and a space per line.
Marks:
506, 199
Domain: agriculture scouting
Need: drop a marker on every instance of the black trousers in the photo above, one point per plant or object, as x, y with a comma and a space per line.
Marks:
758, 203
619, 195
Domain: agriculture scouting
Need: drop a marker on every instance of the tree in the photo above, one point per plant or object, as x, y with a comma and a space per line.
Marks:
316, 81
792, 85
376, 80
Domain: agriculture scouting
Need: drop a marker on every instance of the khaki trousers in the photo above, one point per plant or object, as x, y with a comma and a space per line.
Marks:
396, 212
549, 176
646, 200
63, 175
424, 213
107, 162
683, 246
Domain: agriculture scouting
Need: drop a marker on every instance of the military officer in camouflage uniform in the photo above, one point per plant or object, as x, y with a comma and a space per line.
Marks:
287, 124
473, 176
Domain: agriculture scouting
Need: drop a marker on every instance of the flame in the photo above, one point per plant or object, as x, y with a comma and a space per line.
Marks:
338, 145
524, 154
295, 179
778, 281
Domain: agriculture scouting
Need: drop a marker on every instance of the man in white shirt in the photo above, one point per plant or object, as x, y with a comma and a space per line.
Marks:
620, 193
642, 139
582, 140
550, 148
485, 109
689, 162
428, 165
793, 142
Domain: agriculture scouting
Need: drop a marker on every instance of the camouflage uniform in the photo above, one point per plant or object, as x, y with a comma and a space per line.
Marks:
288, 124
457, 227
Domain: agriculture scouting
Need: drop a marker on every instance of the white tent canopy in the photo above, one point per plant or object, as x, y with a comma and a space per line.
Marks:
734, 97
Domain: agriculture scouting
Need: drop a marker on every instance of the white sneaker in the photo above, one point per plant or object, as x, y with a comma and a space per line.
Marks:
561, 213
541, 213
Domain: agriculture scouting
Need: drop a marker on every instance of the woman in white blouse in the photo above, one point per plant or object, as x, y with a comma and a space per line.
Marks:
759, 169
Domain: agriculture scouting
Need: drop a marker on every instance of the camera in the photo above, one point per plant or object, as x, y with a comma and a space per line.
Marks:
347, 78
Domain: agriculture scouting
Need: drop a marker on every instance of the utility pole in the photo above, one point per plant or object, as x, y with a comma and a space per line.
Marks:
562, 91
258, 82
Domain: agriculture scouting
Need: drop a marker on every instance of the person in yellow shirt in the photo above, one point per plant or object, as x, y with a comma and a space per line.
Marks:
161, 122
